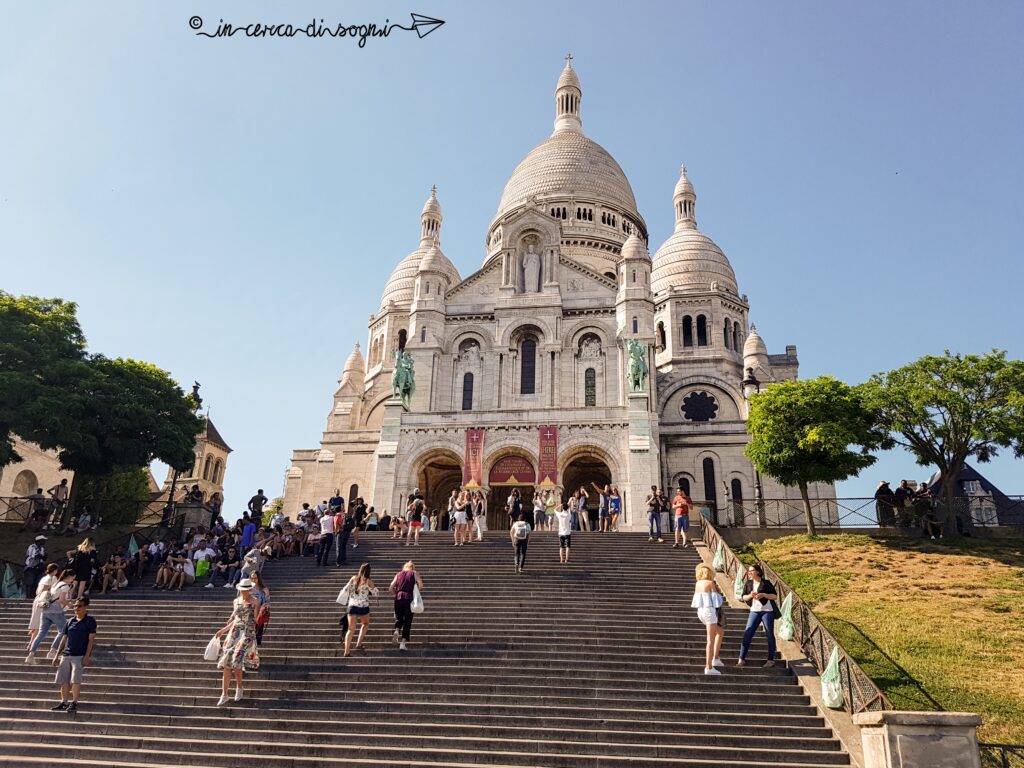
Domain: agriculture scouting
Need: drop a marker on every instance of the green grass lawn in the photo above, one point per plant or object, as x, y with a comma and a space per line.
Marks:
936, 624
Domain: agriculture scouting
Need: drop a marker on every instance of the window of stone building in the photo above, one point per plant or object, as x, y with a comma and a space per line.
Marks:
207, 467
423, 334
353, 493
528, 367
687, 331
702, 331
218, 472
590, 388
685, 483
737, 337
401, 339
661, 336
710, 487
699, 406
728, 333
467, 392
636, 326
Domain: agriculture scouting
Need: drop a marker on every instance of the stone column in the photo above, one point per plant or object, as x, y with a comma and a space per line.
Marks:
919, 739
642, 459
387, 448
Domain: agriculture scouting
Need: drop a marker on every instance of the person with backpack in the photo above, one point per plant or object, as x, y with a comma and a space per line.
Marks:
416, 513
52, 613
520, 536
515, 507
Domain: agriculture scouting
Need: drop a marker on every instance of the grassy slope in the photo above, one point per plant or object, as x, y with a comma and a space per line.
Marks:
935, 625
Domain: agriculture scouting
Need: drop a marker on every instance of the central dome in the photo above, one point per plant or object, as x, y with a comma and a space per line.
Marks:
564, 164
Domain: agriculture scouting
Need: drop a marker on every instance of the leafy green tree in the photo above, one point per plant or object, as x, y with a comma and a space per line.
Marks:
811, 431
948, 408
118, 497
100, 414
276, 505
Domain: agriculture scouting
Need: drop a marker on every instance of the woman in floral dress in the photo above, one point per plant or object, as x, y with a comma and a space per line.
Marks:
238, 650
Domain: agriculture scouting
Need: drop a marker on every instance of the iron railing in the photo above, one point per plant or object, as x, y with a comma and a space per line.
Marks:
860, 694
1002, 755
18, 510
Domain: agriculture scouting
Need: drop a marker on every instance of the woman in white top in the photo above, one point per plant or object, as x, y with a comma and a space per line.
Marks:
461, 520
709, 602
43, 588
360, 589
53, 606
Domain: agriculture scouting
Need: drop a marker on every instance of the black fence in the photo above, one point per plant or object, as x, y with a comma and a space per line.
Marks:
1002, 755
33, 513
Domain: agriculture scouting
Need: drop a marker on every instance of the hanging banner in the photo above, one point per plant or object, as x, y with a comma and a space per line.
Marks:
547, 457
512, 470
473, 466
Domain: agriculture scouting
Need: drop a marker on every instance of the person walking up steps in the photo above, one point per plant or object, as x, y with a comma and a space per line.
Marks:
415, 522
402, 588
323, 552
52, 614
760, 595
78, 639
520, 536
360, 589
709, 602
238, 650
564, 520
681, 506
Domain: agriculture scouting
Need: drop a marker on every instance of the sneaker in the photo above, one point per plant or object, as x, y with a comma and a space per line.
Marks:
354, 546
395, 636
227, 586
222, 701
768, 664
650, 540
209, 586
31, 658
60, 707
661, 540
51, 654
238, 694
741, 663
712, 671
675, 546
717, 663
402, 646
72, 708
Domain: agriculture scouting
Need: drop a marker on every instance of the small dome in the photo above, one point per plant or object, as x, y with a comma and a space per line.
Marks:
402, 283
568, 78
634, 248
683, 186
355, 362
432, 205
754, 346
434, 260
690, 259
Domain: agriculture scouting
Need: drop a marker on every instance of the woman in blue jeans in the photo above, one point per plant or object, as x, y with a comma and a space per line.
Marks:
760, 595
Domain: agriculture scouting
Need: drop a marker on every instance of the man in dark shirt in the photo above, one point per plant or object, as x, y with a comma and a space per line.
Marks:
256, 506
74, 654
228, 567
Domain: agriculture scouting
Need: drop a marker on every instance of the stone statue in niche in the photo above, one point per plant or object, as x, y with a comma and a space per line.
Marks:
531, 270
470, 352
590, 347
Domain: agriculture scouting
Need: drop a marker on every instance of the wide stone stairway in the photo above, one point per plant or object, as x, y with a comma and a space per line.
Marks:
596, 663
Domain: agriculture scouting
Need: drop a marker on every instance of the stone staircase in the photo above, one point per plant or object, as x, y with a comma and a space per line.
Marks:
594, 664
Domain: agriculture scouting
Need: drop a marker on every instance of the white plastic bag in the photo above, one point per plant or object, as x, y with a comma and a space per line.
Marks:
831, 682
785, 629
343, 596
417, 600
718, 563
212, 652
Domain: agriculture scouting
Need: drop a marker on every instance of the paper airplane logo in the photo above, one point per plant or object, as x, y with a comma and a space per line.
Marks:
424, 25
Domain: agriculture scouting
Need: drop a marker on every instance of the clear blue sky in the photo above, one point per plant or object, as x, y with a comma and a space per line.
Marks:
230, 209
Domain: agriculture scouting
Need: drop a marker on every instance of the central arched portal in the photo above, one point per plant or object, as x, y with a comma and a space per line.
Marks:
438, 475
510, 472
586, 468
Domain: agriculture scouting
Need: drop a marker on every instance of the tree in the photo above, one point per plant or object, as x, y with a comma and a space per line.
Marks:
276, 505
100, 414
948, 408
118, 497
802, 432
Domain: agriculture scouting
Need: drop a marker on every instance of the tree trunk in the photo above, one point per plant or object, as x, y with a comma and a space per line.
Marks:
807, 510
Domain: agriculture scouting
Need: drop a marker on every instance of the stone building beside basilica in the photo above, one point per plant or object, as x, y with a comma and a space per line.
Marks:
520, 367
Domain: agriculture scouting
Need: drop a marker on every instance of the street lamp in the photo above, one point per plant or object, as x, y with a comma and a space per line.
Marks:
751, 386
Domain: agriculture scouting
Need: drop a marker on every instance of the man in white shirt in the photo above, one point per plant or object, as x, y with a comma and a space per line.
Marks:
59, 494
520, 536
207, 553
326, 546
564, 519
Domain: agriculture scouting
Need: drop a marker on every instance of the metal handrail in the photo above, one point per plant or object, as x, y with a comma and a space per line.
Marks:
860, 694
1002, 755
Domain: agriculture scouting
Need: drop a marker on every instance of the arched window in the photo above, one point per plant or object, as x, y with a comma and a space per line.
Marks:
207, 467
636, 326
687, 331
702, 331
467, 392
710, 489
528, 367
684, 482
401, 339
218, 472
589, 388
661, 335
423, 334
728, 333
736, 491
353, 493
737, 337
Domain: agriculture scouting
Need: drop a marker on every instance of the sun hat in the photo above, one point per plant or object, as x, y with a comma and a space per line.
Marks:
40, 537
245, 585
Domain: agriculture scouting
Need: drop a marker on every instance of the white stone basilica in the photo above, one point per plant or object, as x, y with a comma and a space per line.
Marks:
520, 367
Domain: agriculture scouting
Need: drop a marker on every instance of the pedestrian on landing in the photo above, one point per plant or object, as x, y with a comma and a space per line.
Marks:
885, 501
461, 533
416, 515
574, 510
604, 506
616, 507
402, 588
515, 507
549, 510
681, 506
40, 601
564, 519
85, 563
360, 589
710, 605
323, 551
479, 515
238, 649
520, 536
760, 594
35, 561
653, 515
78, 639
584, 515
344, 525
256, 506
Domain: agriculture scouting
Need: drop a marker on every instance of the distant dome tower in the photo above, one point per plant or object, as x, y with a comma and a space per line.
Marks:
568, 95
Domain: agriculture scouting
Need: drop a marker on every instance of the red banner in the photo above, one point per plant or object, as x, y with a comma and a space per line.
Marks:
473, 466
512, 470
547, 457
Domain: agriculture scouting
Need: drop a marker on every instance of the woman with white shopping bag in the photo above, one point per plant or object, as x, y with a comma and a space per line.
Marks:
238, 651
406, 587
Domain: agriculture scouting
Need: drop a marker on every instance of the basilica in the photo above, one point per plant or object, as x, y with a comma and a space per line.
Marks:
519, 370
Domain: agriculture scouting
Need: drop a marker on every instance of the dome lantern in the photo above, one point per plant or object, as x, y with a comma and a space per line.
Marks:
567, 100
685, 200
430, 218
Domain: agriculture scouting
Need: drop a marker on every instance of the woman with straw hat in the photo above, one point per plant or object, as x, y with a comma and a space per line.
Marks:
238, 650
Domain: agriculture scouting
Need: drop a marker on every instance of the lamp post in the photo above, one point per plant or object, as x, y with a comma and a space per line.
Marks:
751, 386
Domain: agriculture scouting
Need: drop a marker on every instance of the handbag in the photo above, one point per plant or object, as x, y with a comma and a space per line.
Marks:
343, 596
416, 606
212, 651
202, 568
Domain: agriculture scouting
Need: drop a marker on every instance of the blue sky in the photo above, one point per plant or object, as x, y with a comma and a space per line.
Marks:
230, 209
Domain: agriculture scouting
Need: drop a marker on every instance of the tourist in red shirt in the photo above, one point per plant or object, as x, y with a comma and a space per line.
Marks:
681, 505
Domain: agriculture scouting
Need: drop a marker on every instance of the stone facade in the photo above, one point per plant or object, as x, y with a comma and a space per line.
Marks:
209, 468
537, 338
38, 468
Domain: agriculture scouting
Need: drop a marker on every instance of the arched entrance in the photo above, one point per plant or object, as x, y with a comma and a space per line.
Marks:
438, 474
507, 473
25, 483
584, 468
